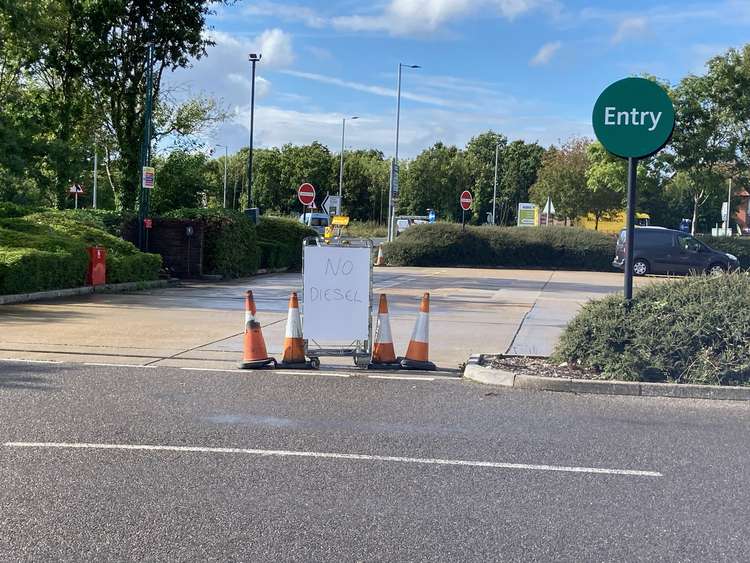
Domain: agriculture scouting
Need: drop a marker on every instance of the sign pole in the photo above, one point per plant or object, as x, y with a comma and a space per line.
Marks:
632, 168
463, 219
76, 200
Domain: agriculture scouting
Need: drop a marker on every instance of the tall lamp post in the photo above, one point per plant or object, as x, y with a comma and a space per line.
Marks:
494, 189
226, 158
254, 58
394, 164
341, 160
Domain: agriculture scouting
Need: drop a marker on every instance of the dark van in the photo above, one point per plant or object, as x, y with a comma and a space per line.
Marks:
657, 250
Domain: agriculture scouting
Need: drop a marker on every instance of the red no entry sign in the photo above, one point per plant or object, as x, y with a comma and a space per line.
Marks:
466, 200
306, 194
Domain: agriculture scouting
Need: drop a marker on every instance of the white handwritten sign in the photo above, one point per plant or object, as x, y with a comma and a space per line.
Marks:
336, 294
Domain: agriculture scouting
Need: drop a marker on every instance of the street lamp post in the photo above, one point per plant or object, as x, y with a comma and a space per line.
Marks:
254, 58
394, 164
226, 158
341, 160
96, 162
494, 189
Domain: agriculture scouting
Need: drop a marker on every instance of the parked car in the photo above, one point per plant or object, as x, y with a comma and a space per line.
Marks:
317, 221
657, 250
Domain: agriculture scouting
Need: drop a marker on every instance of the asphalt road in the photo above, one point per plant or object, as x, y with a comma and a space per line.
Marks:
320, 467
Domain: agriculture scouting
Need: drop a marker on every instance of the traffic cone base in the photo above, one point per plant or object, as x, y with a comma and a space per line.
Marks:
294, 345
254, 354
418, 351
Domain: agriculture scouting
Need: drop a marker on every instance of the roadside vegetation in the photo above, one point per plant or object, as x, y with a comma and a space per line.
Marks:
43, 251
691, 330
446, 244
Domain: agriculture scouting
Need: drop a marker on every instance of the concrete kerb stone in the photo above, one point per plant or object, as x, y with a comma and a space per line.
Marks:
73, 291
503, 378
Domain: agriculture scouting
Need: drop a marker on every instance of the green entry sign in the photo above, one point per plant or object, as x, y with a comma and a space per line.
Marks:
633, 117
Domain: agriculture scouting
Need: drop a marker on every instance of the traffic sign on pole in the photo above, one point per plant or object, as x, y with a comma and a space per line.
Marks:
148, 177
465, 201
306, 194
633, 118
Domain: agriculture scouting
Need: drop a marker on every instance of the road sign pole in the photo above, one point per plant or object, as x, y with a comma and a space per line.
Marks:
463, 219
76, 196
632, 168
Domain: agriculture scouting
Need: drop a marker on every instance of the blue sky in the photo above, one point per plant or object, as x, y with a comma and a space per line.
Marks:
530, 69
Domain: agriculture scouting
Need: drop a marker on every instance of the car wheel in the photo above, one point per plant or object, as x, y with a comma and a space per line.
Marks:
640, 267
716, 269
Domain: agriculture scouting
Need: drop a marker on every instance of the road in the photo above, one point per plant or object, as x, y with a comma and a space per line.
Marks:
200, 324
347, 466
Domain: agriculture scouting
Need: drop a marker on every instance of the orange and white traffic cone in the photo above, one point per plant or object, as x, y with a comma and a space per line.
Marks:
417, 352
254, 354
383, 354
380, 260
294, 346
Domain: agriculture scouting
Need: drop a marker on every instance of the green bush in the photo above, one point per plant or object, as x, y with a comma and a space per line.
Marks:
230, 240
280, 241
692, 330
9, 210
105, 219
47, 250
446, 244
738, 246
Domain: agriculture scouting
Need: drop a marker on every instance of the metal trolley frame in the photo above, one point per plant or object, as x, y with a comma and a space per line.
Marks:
359, 350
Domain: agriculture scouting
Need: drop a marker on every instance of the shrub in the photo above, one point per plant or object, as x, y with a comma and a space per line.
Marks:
445, 244
738, 246
230, 246
280, 241
47, 250
691, 330
9, 210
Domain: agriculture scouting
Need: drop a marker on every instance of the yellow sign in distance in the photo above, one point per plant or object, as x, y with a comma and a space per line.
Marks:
340, 221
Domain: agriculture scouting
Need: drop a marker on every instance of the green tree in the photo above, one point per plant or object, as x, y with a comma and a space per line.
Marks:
562, 177
521, 163
311, 163
480, 158
116, 38
606, 180
180, 181
435, 179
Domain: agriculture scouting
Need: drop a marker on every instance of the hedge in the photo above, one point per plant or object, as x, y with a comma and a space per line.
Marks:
230, 241
446, 244
738, 246
692, 330
45, 251
280, 242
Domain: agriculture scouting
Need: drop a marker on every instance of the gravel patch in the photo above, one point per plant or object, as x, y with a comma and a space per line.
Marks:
530, 365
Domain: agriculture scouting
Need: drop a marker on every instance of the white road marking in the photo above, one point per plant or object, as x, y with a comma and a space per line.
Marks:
410, 378
329, 455
117, 365
30, 361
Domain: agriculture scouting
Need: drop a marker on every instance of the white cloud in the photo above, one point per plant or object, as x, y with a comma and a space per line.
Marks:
369, 88
545, 53
629, 28
276, 47
406, 17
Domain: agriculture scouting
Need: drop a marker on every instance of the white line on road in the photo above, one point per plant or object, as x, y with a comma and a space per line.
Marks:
329, 455
410, 378
117, 365
30, 361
